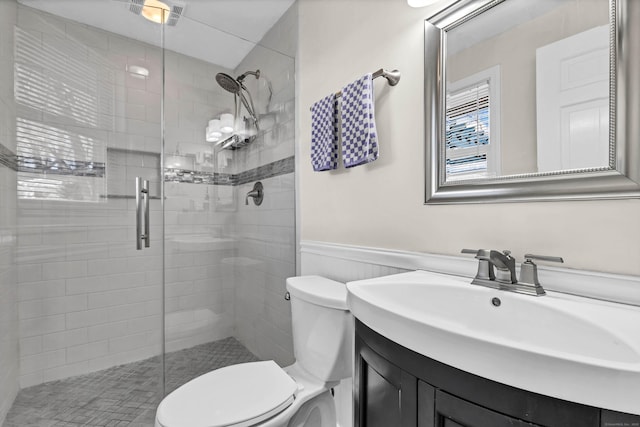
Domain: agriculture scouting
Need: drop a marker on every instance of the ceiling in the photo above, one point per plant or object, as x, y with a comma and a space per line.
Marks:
221, 32
495, 21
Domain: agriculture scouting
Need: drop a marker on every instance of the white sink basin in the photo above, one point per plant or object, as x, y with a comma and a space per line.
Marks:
573, 348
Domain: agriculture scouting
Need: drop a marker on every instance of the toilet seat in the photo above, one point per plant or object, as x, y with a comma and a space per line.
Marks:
234, 396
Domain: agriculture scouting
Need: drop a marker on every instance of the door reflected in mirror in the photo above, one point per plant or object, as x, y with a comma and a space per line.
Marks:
528, 90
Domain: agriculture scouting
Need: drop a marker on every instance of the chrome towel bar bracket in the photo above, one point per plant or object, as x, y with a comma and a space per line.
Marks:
393, 77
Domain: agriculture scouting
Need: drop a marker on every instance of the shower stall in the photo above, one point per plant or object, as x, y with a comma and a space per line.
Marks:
131, 255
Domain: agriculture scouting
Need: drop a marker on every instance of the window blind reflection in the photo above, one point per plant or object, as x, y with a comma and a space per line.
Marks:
63, 99
467, 130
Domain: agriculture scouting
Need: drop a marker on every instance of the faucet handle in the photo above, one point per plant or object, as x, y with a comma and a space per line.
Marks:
485, 267
529, 257
529, 270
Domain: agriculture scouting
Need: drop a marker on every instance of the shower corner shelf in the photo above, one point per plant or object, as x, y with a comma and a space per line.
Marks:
235, 142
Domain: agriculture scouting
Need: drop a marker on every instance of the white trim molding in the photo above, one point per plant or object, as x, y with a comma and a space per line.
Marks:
604, 286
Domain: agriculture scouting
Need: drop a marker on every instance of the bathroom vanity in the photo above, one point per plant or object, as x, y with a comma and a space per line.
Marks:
434, 350
395, 386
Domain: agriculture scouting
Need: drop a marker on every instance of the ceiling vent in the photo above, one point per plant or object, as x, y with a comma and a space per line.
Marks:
136, 6
176, 9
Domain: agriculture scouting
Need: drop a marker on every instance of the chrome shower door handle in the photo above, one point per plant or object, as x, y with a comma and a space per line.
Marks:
138, 213
142, 212
145, 194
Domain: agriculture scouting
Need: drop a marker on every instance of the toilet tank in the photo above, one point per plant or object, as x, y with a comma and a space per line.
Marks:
322, 327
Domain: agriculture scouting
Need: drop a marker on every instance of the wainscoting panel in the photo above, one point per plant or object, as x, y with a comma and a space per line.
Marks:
347, 263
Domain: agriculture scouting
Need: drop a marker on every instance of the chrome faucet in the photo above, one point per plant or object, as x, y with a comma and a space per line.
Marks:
506, 266
504, 277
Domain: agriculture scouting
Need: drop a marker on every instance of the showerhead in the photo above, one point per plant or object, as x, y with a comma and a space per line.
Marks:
232, 85
228, 83
236, 87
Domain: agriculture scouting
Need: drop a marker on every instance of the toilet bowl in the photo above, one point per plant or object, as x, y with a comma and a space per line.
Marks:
262, 393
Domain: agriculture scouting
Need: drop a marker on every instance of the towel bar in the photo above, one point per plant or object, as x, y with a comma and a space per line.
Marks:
393, 77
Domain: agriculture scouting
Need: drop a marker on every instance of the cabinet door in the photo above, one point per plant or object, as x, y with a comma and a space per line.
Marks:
384, 394
451, 411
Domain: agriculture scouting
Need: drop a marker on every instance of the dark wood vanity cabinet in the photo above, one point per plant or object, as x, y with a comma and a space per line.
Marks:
387, 393
445, 410
396, 387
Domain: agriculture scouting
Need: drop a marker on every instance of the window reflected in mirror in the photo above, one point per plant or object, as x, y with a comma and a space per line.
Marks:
472, 126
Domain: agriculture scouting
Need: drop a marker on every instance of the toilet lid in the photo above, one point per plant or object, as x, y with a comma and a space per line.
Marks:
238, 395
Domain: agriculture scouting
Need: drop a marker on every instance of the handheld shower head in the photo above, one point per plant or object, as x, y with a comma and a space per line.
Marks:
232, 85
236, 87
228, 83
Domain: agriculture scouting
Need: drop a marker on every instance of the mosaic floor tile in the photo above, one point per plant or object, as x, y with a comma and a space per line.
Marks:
122, 396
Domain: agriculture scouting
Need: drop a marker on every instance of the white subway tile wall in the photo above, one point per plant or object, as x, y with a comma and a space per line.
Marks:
266, 233
9, 361
87, 299
266, 257
199, 299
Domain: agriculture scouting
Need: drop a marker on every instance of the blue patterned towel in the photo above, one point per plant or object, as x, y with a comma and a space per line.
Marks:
359, 139
324, 134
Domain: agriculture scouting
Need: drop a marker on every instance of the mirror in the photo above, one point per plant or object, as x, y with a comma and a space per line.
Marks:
528, 100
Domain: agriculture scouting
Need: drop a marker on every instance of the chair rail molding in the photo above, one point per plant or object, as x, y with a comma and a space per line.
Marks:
324, 257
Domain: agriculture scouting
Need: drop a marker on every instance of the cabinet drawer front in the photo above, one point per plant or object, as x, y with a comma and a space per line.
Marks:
454, 412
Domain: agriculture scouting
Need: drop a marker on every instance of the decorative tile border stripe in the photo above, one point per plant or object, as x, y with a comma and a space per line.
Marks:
279, 167
60, 167
8, 158
97, 169
50, 166
198, 177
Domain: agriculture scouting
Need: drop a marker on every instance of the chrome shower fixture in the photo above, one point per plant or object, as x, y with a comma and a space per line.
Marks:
237, 87
228, 83
244, 75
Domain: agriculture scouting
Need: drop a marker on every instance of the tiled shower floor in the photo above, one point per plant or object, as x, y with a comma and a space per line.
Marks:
125, 395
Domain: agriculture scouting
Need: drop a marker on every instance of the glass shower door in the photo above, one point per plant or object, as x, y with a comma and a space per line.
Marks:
226, 257
199, 216
88, 126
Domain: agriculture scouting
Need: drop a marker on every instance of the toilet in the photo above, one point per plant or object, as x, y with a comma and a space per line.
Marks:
262, 393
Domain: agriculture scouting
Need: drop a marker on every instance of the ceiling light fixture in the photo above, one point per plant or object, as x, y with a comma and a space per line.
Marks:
160, 12
421, 3
155, 11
